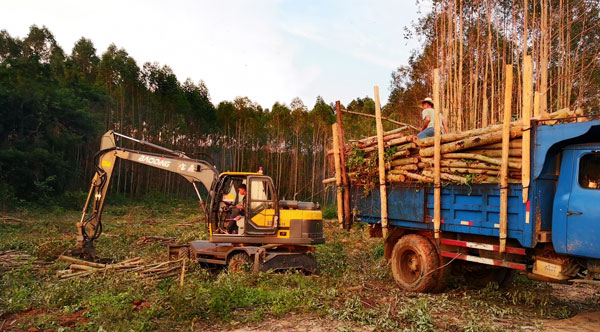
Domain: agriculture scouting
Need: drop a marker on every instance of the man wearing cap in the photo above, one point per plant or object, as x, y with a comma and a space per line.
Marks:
428, 114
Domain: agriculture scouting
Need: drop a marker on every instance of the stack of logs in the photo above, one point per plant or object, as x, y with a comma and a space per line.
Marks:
472, 156
79, 268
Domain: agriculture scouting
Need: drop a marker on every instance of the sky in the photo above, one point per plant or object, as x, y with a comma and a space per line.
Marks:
267, 50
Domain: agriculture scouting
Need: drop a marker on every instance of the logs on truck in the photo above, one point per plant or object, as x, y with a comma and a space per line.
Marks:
473, 156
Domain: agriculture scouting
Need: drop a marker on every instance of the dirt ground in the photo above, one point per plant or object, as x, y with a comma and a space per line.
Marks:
354, 290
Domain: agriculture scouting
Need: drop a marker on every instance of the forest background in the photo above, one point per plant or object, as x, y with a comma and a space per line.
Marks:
54, 106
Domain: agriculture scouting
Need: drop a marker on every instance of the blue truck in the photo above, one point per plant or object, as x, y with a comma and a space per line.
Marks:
554, 236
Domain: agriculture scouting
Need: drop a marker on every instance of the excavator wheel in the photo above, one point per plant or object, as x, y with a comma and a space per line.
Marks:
184, 252
239, 262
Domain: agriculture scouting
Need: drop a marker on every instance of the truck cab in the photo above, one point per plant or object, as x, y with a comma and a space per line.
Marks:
575, 220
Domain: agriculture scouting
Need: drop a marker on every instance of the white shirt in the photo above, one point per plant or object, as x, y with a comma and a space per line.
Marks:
429, 112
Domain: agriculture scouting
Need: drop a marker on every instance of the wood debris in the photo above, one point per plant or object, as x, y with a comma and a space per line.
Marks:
14, 258
163, 240
135, 266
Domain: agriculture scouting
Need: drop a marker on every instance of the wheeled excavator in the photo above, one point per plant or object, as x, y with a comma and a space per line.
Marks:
255, 229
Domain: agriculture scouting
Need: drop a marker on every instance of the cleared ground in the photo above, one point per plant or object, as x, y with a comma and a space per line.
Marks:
353, 292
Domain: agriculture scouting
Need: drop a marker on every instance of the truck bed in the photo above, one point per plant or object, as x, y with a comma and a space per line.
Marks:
473, 209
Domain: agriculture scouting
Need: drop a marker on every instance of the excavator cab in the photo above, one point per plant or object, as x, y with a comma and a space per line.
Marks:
255, 216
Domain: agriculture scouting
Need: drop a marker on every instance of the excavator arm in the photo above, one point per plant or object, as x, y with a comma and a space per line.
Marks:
89, 226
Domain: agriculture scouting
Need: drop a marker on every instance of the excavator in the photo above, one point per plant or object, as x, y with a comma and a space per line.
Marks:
248, 226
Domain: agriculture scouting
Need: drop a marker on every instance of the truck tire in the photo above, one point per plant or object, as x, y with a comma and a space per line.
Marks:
239, 262
414, 264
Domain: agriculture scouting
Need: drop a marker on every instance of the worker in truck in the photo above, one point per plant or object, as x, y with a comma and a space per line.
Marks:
238, 212
427, 114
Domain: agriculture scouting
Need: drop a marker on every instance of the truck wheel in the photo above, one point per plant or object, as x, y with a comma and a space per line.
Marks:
239, 262
414, 264
481, 277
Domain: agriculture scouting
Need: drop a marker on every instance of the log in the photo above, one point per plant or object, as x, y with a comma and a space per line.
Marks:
514, 144
400, 154
80, 262
417, 177
381, 163
527, 100
345, 179
451, 137
404, 161
447, 176
437, 193
396, 178
338, 175
406, 139
480, 157
373, 140
461, 164
495, 153
504, 167
411, 167
465, 170
471, 142
328, 181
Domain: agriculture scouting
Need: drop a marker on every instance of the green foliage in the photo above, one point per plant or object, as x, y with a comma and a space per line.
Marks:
330, 212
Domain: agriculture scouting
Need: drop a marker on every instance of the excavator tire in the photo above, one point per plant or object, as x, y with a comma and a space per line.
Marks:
239, 262
184, 252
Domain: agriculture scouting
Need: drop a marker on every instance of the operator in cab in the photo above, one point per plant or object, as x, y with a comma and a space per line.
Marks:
235, 222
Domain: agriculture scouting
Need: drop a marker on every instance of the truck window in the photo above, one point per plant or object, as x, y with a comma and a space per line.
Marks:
260, 196
589, 171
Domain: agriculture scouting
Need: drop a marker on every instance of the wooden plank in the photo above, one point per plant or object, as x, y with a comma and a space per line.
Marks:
504, 167
381, 164
338, 175
437, 156
527, 99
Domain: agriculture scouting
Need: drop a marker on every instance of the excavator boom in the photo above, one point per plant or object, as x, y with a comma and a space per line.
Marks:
90, 225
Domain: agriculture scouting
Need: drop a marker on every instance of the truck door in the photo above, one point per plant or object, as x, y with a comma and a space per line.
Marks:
583, 213
262, 216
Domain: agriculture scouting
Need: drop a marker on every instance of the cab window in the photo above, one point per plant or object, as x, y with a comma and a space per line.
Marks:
261, 196
589, 171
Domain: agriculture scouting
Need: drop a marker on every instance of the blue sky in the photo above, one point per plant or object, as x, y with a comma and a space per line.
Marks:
271, 50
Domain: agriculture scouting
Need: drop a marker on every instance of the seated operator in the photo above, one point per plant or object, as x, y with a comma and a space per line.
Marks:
238, 212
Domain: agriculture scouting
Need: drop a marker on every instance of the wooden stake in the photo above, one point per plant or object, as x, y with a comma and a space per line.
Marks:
504, 167
345, 181
536, 104
437, 194
381, 164
527, 98
182, 276
338, 175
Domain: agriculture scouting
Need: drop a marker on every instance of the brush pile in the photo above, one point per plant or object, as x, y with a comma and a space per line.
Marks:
135, 266
13, 258
472, 156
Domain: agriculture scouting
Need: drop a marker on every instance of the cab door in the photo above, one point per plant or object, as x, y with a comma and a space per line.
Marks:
583, 213
262, 212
